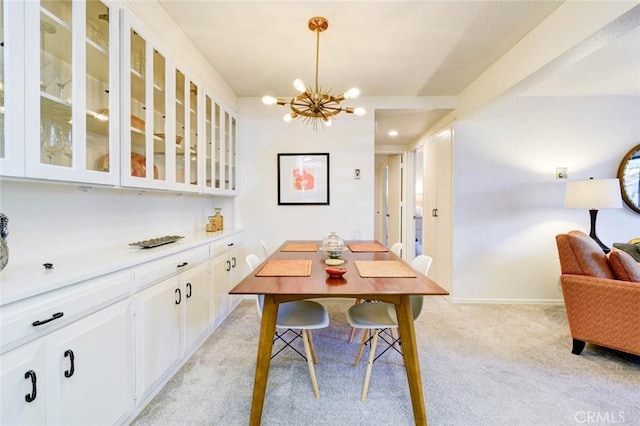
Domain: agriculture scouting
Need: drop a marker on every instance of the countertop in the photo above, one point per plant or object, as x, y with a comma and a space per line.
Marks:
30, 279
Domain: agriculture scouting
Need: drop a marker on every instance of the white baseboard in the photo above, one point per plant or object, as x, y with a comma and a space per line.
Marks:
508, 301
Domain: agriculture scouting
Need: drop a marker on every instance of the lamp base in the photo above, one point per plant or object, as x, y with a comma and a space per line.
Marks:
593, 213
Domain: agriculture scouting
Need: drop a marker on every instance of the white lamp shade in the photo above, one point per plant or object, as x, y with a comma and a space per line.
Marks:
593, 194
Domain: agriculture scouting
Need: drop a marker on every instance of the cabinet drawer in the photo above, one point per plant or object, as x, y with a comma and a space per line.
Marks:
222, 247
159, 270
31, 318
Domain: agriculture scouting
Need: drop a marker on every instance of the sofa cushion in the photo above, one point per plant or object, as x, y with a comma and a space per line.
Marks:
632, 249
580, 255
624, 266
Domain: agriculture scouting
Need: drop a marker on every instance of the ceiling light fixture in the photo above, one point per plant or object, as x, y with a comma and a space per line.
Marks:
393, 133
316, 106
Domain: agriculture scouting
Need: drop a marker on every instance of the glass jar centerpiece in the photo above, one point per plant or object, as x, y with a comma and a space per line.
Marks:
333, 245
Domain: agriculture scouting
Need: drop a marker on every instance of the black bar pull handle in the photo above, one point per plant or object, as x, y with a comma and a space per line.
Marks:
179, 293
53, 317
230, 244
188, 290
233, 262
72, 367
183, 264
30, 397
228, 266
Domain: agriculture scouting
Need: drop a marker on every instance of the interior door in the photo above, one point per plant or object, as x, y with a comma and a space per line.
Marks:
437, 222
418, 200
394, 200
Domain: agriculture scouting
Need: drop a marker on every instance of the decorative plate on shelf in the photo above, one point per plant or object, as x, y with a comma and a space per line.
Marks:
138, 165
155, 242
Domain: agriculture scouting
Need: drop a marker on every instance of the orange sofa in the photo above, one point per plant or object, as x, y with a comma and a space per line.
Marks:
601, 294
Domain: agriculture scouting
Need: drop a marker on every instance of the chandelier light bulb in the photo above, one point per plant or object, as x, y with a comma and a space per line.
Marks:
269, 100
328, 122
359, 111
352, 93
299, 85
287, 118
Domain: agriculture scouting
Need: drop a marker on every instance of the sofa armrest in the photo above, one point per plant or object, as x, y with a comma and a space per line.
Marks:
603, 311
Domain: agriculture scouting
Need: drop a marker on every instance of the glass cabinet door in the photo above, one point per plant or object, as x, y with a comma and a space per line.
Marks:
11, 95
217, 140
145, 159
229, 155
187, 123
221, 149
74, 46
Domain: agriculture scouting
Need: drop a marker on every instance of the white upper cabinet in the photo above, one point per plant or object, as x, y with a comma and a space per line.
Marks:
11, 95
220, 142
147, 157
71, 91
93, 96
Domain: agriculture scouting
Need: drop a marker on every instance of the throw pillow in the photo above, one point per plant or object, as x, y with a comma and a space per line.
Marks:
632, 249
623, 266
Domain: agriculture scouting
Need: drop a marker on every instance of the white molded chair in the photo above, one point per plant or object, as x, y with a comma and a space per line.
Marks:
380, 317
265, 248
396, 249
301, 315
422, 263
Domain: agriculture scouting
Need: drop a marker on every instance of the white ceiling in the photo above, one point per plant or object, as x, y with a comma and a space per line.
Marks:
384, 47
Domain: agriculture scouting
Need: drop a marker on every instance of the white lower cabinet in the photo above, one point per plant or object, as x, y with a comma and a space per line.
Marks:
95, 352
80, 374
22, 385
228, 270
170, 317
197, 304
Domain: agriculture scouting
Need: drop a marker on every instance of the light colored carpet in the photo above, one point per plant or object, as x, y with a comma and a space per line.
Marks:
481, 365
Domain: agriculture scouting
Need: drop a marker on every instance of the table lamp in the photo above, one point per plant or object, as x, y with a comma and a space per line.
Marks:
594, 194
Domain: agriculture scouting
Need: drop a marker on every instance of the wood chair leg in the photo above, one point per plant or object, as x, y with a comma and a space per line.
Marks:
365, 334
313, 347
352, 335
312, 371
372, 354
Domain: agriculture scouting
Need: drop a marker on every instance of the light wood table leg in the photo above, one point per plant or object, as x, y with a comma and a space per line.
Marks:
412, 362
265, 346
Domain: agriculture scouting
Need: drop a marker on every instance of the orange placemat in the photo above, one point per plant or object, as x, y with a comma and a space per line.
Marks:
363, 247
300, 247
286, 268
383, 269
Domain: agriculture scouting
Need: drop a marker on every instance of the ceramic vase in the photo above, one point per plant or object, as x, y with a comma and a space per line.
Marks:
4, 248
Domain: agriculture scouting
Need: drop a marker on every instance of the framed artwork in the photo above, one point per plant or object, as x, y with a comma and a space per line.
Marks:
303, 179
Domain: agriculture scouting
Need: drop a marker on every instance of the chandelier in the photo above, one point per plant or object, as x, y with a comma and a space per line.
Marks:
316, 106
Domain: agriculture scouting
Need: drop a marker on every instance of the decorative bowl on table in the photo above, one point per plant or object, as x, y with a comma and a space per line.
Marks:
335, 271
333, 245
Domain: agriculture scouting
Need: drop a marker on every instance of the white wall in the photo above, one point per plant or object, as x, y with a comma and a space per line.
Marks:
49, 220
508, 206
349, 143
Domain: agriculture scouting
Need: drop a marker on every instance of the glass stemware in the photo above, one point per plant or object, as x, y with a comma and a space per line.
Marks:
52, 138
67, 149
61, 85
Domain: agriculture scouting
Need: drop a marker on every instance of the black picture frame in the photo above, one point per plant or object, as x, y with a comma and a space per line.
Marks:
303, 179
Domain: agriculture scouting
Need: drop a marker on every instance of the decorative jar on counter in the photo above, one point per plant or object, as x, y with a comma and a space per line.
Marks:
215, 221
4, 248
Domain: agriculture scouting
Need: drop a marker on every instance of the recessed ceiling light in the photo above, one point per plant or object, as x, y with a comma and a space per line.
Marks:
393, 133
